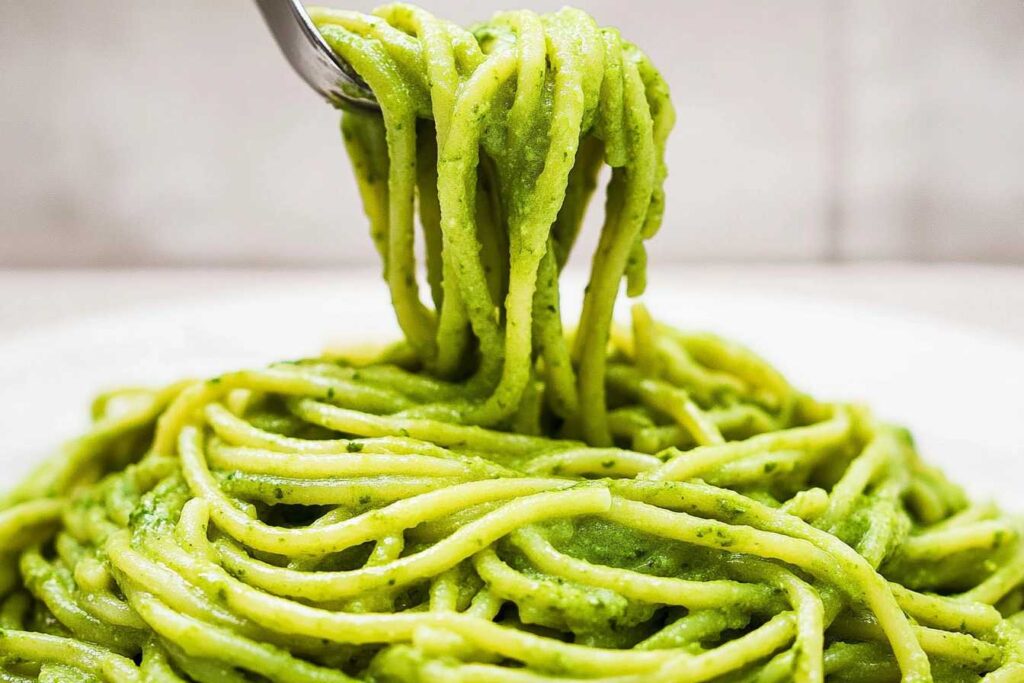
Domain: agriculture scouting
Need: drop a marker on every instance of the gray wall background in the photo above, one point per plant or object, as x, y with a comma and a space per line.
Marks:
137, 132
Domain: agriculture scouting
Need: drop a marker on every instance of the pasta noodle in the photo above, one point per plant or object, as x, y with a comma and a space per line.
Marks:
494, 499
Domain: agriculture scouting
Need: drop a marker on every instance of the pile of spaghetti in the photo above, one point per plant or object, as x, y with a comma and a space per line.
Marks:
495, 498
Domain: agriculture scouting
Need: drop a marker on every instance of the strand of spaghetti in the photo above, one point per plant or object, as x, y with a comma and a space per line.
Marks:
807, 504
16, 522
485, 605
350, 492
947, 613
711, 533
399, 113
679, 669
528, 232
430, 562
14, 609
274, 379
853, 661
366, 146
712, 501
629, 198
60, 673
560, 376
458, 158
174, 590
333, 538
400, 46
532, 54
1007, 673
187, 599
928, 500
203, 640
694, 595
387, 549
441, 433
306, 466
203, 670
862, 471
437, 40
603, 461
40, 647
735, 422
286, 616
542, 594
664, 120
972, 513
669, 400
961, 648
239, 432
939, 545
809, 613
109, 608
686, 465
292, 617
836, 563
53, 589
444, 591
156, 665
688, 632
887, 525
299, 380
680, 369
722, 355
1000, 582
390, 377
644, 351
735, 654
758, 470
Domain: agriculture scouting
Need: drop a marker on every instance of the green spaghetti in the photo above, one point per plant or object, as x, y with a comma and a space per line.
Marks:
495, 499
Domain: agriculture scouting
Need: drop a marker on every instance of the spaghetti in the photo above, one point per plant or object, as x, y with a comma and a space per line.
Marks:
494, 500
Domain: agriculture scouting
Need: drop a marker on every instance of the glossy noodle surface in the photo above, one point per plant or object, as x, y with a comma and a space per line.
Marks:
503, 496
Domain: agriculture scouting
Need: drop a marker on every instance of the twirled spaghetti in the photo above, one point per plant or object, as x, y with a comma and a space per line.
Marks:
490, 501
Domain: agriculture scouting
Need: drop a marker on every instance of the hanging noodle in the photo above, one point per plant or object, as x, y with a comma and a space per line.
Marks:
490, 500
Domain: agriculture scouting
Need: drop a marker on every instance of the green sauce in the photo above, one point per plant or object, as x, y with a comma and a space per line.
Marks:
491, 499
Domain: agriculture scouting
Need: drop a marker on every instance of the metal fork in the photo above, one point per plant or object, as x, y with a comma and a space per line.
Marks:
311, 56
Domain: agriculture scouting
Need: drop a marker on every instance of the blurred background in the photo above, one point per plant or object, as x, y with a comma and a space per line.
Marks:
140, 133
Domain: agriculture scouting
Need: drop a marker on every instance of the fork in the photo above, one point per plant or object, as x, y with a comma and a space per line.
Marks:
311, 56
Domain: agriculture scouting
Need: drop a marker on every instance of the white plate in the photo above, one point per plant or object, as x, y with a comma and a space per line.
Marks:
960, 390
